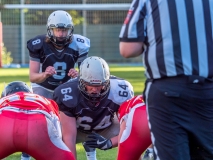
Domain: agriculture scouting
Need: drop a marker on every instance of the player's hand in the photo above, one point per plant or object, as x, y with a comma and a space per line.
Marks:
95, 140
49, 71
73, 73
87, 148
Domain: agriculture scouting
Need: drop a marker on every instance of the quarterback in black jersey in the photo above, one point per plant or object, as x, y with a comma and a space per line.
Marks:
53, 56
89, 103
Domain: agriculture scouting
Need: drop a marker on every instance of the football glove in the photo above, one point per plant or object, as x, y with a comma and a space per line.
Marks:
95, 140
87, 148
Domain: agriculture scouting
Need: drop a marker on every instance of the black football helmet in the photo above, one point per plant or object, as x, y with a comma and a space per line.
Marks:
16, 86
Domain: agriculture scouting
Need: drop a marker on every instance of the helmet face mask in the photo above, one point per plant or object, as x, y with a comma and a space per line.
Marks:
60, 20
94, 98
16, 86
94, 72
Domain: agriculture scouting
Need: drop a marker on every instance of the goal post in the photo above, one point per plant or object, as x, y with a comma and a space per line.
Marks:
84, 7
107, 6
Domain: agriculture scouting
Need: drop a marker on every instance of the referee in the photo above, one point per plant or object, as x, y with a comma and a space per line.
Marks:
175, 39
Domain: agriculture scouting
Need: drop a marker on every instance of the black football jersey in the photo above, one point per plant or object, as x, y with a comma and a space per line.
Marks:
88, 118
47, 55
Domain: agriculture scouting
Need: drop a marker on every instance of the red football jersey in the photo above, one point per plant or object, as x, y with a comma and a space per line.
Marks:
29, 101
28, 127
134, 136
129, 104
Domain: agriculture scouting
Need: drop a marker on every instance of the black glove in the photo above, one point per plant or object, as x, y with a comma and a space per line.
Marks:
95, 140
87, 148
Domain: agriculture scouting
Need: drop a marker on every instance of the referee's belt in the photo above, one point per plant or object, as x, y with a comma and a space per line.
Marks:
192, 79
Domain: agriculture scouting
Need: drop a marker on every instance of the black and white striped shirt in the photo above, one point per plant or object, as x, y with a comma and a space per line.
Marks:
178, 35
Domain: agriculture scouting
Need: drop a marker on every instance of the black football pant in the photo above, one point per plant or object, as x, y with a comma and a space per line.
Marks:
180, 114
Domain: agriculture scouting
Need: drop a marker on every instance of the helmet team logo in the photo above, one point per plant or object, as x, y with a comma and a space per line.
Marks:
95, 82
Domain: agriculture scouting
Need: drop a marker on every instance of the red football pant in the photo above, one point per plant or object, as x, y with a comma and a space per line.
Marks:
135, 137
33, 134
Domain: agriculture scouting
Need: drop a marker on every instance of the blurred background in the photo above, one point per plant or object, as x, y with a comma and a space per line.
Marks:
102, 26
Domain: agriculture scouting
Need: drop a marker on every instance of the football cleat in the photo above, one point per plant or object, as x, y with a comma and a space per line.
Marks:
25, 156
148, 155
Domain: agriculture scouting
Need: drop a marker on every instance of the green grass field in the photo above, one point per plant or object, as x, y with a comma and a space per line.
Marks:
135, 75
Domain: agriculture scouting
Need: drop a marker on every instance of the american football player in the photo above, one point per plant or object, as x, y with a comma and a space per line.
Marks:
30, 123
134, 136
53, 56
88, 105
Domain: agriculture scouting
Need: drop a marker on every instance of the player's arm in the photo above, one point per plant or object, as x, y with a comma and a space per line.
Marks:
122, 128
114, 141
122, 123
73, 72
83, 45
131, 49
69, 131
35, 47
35, 76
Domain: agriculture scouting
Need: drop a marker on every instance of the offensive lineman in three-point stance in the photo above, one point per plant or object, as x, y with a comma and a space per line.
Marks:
88, 105
30, 123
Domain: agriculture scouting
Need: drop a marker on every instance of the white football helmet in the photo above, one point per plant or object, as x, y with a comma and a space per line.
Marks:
60, 19
94, 71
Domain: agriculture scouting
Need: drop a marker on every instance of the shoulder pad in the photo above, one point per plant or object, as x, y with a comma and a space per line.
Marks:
120, 90
36, 42
35, 45
80, 44
72, 79
66, 95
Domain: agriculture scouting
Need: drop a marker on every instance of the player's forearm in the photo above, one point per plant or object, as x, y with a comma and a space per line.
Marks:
71, 145
37, 77
73, 150
114, 141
